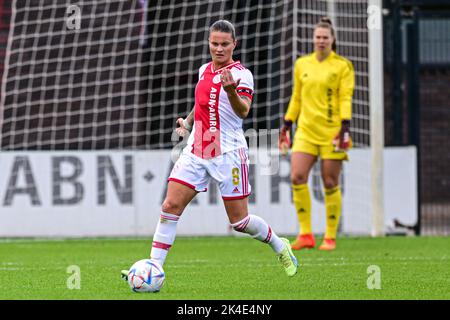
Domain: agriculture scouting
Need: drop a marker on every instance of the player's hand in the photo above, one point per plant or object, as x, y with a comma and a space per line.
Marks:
284, 141
181, 130
343, 141
228, 83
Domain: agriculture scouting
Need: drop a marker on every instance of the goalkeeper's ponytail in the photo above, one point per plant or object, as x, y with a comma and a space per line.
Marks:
326, 23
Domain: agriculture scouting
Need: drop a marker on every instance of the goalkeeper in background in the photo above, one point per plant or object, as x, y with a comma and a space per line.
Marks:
321, 107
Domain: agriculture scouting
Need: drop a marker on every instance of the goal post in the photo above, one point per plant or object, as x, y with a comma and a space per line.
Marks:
375, 27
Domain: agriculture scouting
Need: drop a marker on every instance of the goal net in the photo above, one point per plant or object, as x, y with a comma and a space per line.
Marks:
75, 76
121, 74
116, 74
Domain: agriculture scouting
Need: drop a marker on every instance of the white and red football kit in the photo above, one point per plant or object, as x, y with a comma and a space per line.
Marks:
216, 147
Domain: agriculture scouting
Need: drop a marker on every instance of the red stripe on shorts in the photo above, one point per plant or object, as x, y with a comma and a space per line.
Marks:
244, 172
181, 182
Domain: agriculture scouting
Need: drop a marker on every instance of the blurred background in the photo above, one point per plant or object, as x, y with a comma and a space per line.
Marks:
91, 91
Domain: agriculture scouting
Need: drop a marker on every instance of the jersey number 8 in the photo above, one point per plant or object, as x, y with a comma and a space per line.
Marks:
235, 175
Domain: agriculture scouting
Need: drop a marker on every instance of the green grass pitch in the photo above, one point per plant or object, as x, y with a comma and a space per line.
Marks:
228, 268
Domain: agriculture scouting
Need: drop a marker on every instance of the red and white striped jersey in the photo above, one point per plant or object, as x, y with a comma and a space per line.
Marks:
217, 128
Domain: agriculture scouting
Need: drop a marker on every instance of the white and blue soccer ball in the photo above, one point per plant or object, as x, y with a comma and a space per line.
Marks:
146, 275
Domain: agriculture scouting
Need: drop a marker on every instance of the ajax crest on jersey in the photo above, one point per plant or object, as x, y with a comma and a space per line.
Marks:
146, 275
216, 79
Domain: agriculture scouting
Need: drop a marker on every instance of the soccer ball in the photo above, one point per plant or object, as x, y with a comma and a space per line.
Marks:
146, 275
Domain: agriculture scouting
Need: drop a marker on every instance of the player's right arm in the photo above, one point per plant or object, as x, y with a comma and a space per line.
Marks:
343, 140
185, 125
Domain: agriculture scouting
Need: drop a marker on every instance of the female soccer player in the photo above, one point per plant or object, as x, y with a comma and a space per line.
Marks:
217, 150
321, 106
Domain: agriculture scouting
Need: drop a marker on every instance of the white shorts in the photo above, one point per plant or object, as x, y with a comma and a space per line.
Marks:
229, 170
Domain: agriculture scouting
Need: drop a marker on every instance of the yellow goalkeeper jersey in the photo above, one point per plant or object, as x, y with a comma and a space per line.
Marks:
321, 97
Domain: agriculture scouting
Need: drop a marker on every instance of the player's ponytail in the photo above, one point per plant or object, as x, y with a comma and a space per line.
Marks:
325, 22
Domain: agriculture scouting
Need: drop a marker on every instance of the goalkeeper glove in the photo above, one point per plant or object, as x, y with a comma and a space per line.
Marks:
284, 141
343, 141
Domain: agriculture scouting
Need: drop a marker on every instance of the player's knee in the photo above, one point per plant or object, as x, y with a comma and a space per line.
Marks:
330, 182
299, 178
171, 206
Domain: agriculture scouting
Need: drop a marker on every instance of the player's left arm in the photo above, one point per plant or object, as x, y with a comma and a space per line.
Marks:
240, 103
346, 88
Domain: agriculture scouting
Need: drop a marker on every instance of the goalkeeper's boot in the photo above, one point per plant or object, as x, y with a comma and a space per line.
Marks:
124, 274
304, 241
287, 259
328, 245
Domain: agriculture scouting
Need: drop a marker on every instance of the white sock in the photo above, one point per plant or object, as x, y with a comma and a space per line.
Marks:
260, 230
164, 236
